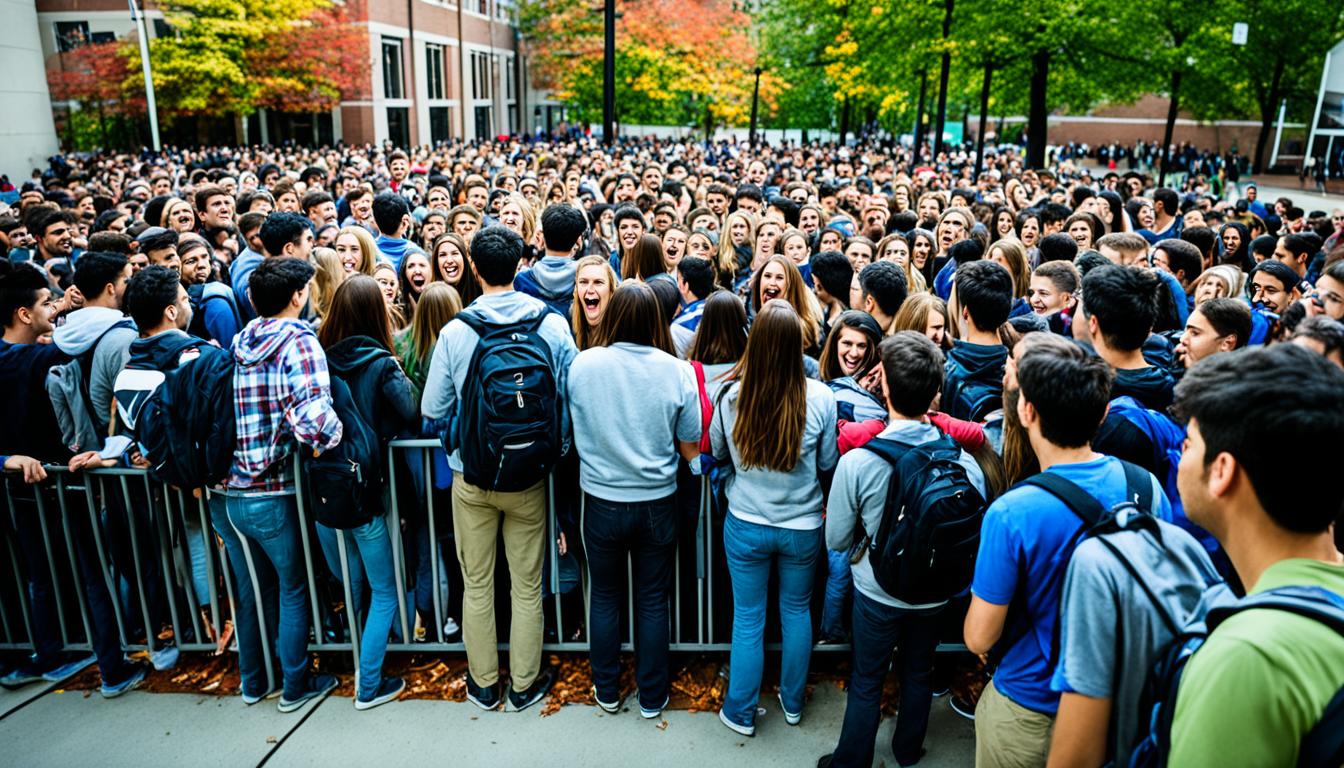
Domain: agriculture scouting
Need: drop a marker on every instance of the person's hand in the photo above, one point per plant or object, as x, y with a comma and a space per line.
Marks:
561, 545
32, 469
90, 460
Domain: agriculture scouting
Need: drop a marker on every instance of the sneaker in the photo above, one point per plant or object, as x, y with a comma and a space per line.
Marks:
486, 698
520, 700
610, 708
650, 714
271, 694
17, 678
131, 683
317, 685
792, 718
69, 669
962, 707
743, 730
389, 689
941, 692
450, 628
165, 658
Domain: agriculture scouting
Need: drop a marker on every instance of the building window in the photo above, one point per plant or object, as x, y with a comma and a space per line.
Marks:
71, 34
399, 126
483, 7
512, 70
483, 123
438, 124
393, 87
434, 71
480, 75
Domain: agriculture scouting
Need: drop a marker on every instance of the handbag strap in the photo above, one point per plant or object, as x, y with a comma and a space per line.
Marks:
706, 408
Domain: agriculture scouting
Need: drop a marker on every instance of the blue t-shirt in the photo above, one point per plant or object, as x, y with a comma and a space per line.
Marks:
1025, 533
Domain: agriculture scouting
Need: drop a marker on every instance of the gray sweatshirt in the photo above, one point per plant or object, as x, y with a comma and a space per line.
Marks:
859, 491
82, 330
457, 343
769, 497
630, 404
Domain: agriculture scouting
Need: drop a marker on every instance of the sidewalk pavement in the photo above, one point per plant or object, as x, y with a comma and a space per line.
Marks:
74, 728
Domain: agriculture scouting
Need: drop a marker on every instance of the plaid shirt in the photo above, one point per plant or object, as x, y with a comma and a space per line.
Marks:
281, 393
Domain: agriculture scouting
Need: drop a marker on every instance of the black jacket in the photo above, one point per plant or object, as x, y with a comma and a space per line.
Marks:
382, 392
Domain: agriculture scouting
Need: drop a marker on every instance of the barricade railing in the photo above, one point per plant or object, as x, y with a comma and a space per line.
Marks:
153, 549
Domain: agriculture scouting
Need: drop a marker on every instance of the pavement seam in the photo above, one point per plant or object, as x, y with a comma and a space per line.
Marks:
296, 727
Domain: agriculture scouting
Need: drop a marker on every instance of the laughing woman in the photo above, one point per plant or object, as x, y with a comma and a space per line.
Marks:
413, 278
777, 432
778, 278
847, 363
450, 266
594, 282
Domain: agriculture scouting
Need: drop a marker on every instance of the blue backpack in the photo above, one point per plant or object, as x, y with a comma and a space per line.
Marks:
508, 417
968, 398
1322, 746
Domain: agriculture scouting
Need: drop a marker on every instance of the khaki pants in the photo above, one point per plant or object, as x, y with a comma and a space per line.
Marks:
1008, 735
477, 516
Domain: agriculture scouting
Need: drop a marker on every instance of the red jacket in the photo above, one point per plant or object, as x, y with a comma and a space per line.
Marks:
855, 434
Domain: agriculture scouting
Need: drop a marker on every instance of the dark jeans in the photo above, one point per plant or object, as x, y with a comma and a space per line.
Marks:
646, 532
877, 629
102, 617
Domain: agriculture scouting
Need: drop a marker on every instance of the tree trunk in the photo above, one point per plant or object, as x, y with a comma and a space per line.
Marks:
919, 118
1267, 109
1037, 114
984, 116
942, 80
844, 121
1171, 126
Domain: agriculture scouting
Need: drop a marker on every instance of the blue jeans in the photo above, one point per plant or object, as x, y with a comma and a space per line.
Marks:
373, 547
839, 583
751, 550
268, 525
249, 627
877, 629
646, 532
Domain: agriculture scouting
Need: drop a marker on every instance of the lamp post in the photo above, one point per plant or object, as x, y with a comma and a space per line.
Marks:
609, 73
138, 16
755, 98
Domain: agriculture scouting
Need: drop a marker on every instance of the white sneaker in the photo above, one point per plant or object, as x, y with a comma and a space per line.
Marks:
744, 730
165, 658
450, 627
789, 717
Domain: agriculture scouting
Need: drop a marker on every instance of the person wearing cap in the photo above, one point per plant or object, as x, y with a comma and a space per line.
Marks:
159, 246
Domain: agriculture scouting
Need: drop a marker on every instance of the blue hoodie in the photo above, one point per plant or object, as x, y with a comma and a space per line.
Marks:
552, 280
394, 249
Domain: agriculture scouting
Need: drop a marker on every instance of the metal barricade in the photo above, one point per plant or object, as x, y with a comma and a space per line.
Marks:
156, 554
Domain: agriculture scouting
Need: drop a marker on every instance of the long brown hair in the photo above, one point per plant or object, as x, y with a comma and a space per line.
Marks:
633, 316
585, 337
854, 320
437, 305
357, 309
721, 336
468, 287
772, 391
795, 293
644, 260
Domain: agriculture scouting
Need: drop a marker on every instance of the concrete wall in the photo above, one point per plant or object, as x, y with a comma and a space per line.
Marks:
28, 136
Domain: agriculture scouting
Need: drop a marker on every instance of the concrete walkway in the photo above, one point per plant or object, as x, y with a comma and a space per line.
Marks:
75, 728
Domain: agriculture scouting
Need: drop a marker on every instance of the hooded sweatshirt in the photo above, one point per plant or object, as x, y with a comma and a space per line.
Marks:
383, 394
394, 249
149, 360
1151, 386
552, 280
981, 363
109, 334
281, 392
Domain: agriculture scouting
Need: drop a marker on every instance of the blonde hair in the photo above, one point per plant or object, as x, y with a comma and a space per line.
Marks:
914, 316
368, 250
585, 337
328, 277
1015, 253
437, 305
529, 214
726, 261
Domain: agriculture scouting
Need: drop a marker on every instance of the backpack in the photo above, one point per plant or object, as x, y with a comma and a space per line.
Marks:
1097, 520
968, 398
68, 386
508, 412
1321, 747
344, 484
186, 428
200, 297
924, 549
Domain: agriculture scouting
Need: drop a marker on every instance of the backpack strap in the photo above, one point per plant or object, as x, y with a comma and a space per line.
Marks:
1079, 501
483, 328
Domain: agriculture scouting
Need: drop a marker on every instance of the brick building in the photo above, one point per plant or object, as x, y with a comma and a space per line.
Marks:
439, 69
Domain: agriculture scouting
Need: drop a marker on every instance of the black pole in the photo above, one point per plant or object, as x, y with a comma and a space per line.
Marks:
942, 80
609, 74
1172, 109
984, 115
755, 97
919, 118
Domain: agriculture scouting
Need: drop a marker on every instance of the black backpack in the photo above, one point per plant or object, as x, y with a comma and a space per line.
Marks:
1321, 747
508, 417
968, 398
186, 428
925, 547
345, 483
199, 298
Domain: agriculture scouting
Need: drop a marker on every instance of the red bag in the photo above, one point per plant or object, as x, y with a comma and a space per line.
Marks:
706, 407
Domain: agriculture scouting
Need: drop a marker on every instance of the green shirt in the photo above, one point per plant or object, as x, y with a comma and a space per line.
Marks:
1261, 681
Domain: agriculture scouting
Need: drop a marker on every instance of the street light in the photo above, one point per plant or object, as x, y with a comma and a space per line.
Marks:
609, 73
755, 98
138, 16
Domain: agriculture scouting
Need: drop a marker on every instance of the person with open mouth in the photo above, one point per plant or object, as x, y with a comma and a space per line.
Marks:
594, 282
778, 278
450, 266
412, 279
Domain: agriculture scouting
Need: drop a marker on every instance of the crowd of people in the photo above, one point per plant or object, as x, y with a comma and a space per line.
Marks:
1084, 420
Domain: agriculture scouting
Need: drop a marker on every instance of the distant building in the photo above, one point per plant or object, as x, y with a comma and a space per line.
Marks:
440, 69
28, 136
